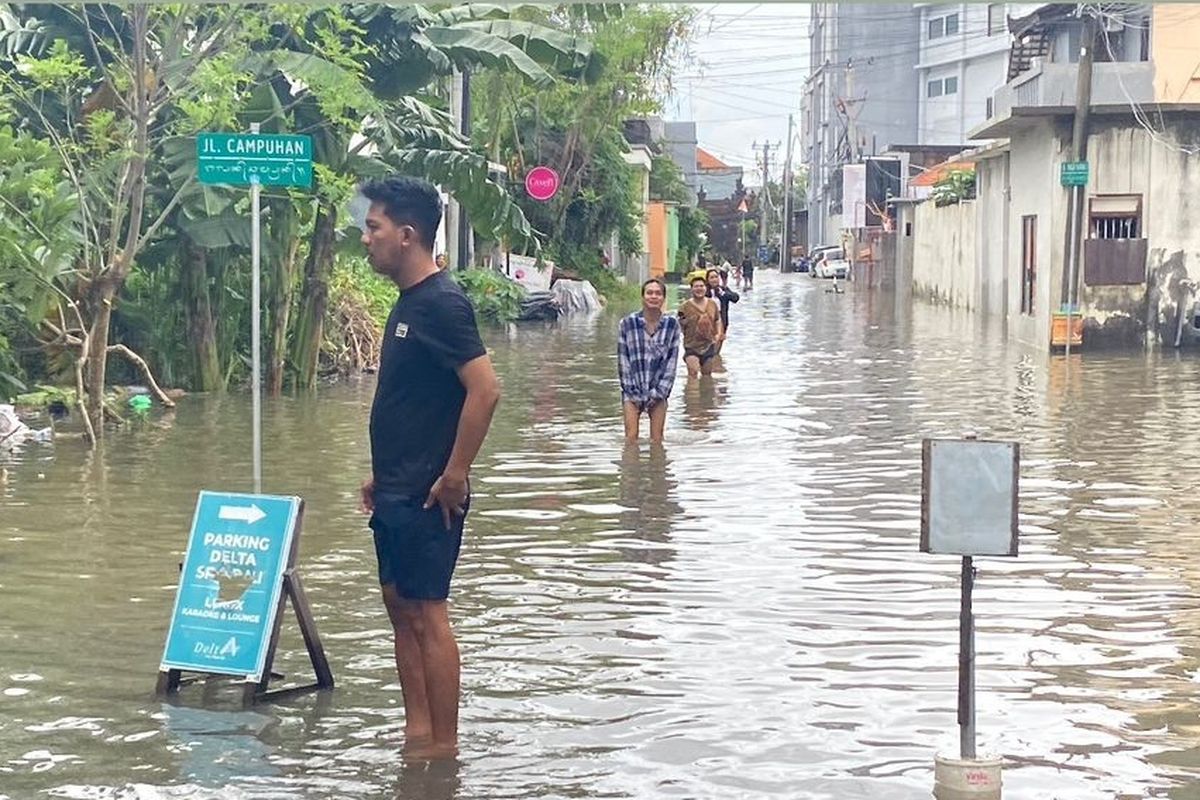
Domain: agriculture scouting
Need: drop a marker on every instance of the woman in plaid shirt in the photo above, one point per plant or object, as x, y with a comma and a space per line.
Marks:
647, 355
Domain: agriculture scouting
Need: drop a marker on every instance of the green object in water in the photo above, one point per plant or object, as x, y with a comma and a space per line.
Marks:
140, 402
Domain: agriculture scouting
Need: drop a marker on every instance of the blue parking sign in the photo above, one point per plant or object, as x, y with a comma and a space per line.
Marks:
230, 585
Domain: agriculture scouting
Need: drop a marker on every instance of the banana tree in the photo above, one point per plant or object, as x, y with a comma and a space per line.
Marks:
366, 116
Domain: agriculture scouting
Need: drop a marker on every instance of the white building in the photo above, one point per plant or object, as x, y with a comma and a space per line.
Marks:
963, 60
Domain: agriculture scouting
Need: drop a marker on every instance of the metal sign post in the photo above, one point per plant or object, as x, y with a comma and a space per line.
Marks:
968, 508
254, 160
966, 664
256, 323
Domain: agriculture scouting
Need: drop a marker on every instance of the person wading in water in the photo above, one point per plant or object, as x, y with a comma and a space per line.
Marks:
719, 290
647, 357
434, 401
701, 319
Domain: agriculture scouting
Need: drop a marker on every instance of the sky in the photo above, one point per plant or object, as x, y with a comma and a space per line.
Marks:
745, 72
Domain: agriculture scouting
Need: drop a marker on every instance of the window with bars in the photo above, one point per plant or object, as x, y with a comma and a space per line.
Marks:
1114, 252
1115, 216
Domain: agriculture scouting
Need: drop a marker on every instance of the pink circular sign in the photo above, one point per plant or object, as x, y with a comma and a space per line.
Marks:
541, 183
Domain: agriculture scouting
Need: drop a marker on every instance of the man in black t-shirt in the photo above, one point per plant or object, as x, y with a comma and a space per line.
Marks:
434, 401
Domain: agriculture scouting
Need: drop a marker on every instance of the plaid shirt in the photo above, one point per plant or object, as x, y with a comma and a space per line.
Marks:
646, 364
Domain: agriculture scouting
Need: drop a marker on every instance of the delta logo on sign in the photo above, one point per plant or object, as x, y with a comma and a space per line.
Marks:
541, 183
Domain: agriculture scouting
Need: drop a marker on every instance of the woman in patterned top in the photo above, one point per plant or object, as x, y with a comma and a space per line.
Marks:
647, 355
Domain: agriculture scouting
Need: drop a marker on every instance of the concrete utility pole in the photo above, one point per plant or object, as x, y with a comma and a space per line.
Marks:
1076, 221
851, 128
785, 238
764, 196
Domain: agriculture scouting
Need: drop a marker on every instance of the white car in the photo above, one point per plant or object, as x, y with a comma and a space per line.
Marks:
833, 265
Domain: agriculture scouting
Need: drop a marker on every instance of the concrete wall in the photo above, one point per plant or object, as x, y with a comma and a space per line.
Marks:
944, 258
992, 244
1125, 159
984, 271
1034, 159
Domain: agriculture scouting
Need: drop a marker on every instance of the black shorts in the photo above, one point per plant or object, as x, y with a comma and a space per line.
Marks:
704, 355
416, 553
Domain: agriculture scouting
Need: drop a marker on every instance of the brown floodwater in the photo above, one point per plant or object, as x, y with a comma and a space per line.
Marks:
743, 614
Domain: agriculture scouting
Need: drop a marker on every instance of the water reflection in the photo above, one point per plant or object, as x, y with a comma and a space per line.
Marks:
702, 400
647, 486
428, 780
218, 748
742, 613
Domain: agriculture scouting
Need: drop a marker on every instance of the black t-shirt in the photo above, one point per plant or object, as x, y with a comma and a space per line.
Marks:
430, 333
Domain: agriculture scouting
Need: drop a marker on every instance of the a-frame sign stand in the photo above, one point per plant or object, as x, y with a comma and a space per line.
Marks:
255, 689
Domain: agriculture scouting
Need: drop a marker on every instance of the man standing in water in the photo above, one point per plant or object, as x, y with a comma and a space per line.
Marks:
433, 405
647, 356
701, 319
747, 273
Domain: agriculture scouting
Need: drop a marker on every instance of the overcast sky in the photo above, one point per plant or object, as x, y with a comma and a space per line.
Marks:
747, 69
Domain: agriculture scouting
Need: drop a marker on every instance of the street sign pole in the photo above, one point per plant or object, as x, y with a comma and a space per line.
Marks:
255, 160
966, 664
969, 496
256, 323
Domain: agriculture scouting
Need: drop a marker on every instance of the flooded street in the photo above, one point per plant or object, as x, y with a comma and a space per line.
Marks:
744, 614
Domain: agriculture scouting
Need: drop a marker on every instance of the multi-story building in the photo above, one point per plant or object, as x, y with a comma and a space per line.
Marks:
679, 142
861, 97
963, 60
1104, 245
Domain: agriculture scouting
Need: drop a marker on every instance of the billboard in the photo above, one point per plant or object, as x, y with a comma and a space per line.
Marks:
854, 196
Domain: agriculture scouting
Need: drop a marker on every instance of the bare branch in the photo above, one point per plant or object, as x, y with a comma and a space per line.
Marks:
141, 364
166, 212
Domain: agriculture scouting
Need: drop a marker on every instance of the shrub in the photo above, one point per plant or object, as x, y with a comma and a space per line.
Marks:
496, 298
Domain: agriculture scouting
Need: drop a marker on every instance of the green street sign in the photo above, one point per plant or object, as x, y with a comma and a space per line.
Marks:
241, 159
1074, 173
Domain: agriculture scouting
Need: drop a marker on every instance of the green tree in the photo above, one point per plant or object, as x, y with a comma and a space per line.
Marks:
119, 93
576, 126
39, 240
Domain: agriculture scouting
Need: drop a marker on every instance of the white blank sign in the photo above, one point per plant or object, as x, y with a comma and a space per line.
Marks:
969, 497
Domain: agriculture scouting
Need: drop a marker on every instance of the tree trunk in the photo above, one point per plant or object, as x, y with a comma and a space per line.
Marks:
97, 357
201, 324
132, 196
306, 352
281, 288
